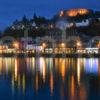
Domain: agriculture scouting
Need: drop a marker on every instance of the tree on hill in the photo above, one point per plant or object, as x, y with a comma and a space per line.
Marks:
25, 21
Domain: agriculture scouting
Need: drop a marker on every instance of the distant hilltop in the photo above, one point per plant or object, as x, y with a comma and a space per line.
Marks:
85, 21
75, 12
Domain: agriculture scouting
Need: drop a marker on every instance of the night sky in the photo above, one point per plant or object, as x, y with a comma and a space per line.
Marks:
15, 9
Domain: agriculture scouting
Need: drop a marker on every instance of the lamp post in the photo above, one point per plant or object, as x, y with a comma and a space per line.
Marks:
99, 46
44, 46
16, 46
78, 45
63, 47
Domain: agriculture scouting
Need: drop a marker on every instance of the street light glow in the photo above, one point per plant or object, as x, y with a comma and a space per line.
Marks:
79, 44
44, 45
61, 13
16, 45
62, 45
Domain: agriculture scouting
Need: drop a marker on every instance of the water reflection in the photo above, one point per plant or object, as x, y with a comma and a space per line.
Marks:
91, 66
60, 78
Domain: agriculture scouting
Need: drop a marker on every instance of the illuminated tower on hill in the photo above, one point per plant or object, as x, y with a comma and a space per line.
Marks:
65, 20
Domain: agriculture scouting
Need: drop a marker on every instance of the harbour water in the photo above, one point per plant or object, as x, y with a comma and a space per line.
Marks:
44, 78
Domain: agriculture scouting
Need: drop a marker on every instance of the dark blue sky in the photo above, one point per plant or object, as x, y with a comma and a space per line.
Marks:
15, 9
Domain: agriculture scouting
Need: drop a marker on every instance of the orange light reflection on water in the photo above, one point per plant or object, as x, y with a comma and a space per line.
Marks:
51, 83
62, 74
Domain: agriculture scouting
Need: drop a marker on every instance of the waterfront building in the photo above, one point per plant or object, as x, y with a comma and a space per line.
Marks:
26, 42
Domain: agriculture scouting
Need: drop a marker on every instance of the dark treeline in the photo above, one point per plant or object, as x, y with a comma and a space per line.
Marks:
39, 26
36, 26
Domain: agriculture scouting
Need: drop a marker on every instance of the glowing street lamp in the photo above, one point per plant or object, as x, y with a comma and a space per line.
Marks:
62, 45
61, 13
99, 44
79, 44
1, 47
44, 45
16, 45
